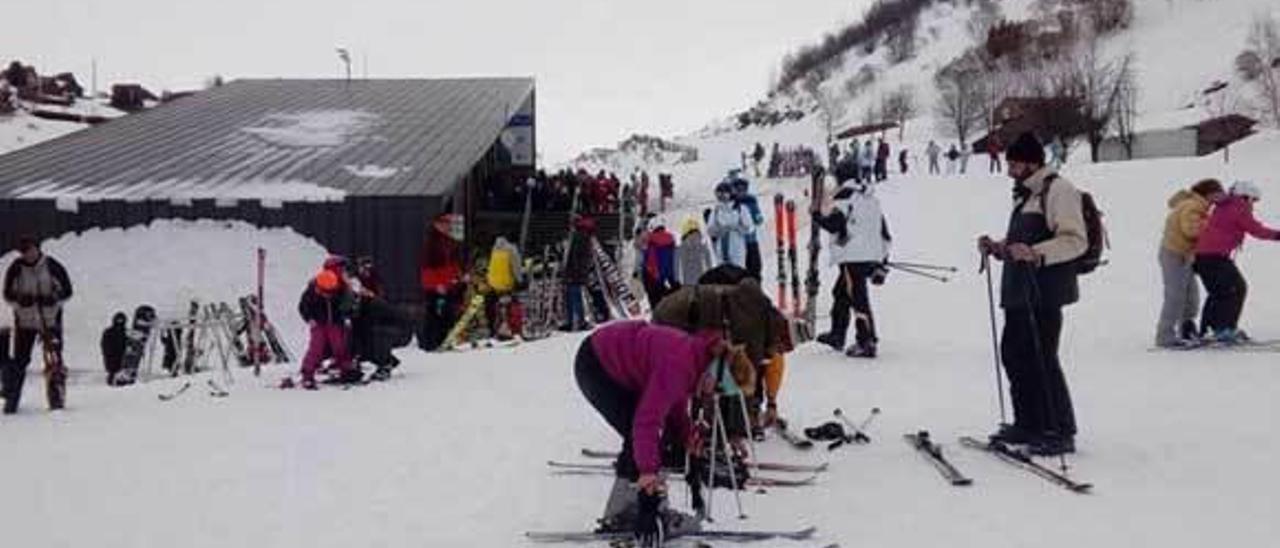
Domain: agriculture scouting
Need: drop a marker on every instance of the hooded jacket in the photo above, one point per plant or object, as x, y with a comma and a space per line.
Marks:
662, 366
1231, 219
693, 258
751, 317
860, 231
1188, 214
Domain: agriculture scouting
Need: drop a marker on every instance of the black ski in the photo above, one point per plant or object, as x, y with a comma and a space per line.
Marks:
727, 536
767, 466
811, 281
780, 426
592, 469
180, 391
932, 452
1022, 460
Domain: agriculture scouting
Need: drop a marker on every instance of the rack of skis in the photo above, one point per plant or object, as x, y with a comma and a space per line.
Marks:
211, 337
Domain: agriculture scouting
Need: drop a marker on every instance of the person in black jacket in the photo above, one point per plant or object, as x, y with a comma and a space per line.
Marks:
326, 305
112, 345
1046, 235
36, 286
578, 268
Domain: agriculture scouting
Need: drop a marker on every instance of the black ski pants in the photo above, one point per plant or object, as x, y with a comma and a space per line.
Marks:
13, 374
616, 404
1037, 385
851, 298
754, 264
440, 315
1227, 290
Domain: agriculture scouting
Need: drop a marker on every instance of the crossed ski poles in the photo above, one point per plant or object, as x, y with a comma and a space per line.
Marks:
859, 430
924, 270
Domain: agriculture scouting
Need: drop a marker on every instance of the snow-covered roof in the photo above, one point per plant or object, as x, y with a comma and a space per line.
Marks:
359, 138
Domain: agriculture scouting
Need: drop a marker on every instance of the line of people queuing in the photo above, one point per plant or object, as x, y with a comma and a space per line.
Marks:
865, 162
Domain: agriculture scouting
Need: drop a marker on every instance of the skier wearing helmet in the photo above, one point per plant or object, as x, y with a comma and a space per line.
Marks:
326, 306
1231, 220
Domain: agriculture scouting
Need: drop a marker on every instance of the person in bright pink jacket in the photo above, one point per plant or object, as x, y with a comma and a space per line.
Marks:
641, 377
1231, 220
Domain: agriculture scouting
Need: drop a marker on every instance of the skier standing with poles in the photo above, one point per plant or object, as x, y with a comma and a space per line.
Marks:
36, 286
1046, 234
861, 249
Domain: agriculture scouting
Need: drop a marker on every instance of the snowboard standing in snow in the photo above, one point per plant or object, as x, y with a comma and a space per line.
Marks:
932, 452
613, 283
1009, 455
136, 345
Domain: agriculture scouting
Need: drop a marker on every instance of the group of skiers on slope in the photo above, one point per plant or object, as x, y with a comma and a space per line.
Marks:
344, 307
865, 163
1205, 226
36, 286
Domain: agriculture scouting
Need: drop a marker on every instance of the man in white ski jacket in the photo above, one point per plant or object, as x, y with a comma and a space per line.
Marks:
860, 246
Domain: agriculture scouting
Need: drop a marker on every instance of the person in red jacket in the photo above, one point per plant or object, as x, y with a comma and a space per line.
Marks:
641, 378
442, 279
1232, 218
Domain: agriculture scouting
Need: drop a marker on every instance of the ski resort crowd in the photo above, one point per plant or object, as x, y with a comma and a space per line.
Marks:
580, 191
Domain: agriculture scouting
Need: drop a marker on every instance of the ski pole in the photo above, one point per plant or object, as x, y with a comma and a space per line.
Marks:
859, 430
733, 474
925, 266
1050, 399
995, 341
920, 273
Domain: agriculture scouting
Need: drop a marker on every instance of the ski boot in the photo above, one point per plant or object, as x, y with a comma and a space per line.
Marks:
620, 511
1012, 434
382, 373
1052, 446
309, 383
865, 350
831, 339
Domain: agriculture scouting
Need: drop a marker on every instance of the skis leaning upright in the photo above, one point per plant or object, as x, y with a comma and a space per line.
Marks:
811, 281
791, 258
932, 452
780, 231
1022, 460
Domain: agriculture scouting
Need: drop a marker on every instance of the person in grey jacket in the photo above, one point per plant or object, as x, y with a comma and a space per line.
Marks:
36, 285
693, 256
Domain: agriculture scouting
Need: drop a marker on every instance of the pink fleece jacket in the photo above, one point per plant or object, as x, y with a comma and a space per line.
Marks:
662, 365
1231, 219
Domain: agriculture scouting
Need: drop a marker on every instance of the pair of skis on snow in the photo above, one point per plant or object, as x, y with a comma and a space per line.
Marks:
932, 452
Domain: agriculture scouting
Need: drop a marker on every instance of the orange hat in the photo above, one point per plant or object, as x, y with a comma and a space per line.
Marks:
327, 281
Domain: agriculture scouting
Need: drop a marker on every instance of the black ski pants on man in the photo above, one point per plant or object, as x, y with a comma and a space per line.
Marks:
851, 300
1037, 386
615, 404
1227, 290
13, 371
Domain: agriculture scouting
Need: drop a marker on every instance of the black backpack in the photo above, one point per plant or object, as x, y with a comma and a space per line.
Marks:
1095, 230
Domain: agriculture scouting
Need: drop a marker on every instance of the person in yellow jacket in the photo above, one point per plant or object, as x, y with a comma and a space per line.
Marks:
1188, 213
505, 276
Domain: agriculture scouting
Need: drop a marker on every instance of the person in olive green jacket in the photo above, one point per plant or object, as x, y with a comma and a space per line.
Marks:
1188, 213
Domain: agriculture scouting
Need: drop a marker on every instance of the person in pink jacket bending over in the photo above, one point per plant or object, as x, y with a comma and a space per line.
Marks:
641, 378
1231, 220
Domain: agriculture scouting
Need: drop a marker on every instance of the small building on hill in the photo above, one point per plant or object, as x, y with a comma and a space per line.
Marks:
360, 166
1199, 139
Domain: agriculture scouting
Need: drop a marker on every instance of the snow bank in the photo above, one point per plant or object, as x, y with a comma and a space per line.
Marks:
169, 263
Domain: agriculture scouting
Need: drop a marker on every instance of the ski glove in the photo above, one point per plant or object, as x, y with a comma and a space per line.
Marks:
649, 530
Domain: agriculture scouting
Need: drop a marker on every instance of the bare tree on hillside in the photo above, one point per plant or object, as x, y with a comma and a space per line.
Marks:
1264, 43
962, 94
830, 108
1126, 105
1094, 82
898, 107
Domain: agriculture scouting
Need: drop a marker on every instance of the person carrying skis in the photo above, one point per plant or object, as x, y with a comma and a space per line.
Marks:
933, 151
1188, 214
442, 279
36, 286
1046, 234
860, 248
326, 305
1231, 220
112, 344
505, 275
659, 264
693, 257
743, 197
728, 227
640, 378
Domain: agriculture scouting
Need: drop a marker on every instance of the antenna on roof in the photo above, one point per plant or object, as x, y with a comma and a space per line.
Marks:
345, 56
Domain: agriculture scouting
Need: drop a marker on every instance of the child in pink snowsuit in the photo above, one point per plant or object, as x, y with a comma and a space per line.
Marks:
326, 306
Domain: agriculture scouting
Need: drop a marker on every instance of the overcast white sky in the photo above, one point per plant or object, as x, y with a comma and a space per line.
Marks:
605, 68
